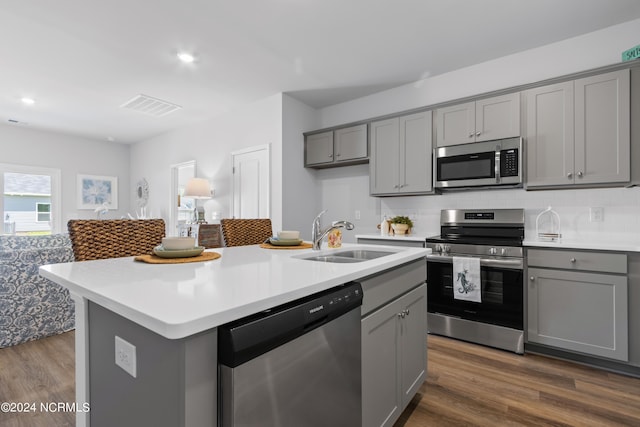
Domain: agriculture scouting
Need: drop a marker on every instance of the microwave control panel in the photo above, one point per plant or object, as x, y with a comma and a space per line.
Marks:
509, 162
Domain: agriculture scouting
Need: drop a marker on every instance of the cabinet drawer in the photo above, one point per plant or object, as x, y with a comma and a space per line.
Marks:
578, 260
385, 287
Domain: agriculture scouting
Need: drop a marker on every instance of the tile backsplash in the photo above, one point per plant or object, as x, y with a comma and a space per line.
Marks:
620, 220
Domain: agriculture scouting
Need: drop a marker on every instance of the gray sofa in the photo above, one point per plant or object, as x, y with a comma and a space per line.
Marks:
32, 307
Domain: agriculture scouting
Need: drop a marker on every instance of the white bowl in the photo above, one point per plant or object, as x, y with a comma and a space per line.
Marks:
288, 235
178, 243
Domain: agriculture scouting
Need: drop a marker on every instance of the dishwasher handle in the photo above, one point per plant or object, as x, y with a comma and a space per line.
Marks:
252, 336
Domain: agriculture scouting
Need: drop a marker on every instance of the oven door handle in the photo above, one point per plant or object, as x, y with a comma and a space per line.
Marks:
512, 264
497, 164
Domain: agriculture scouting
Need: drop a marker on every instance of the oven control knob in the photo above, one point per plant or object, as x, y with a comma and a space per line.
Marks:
438, 248
503, 251
446, 248
493, 251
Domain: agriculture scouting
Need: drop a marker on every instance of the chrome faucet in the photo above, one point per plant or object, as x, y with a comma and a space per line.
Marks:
317, 235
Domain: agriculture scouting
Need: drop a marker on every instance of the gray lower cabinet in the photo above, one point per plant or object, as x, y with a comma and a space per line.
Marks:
401, 153
578, 301
577, 132
394, 357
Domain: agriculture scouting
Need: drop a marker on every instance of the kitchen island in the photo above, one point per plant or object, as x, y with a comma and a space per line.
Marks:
170, 313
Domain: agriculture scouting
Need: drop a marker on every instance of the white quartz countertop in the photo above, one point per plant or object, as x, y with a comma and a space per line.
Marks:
178, 300
624, 243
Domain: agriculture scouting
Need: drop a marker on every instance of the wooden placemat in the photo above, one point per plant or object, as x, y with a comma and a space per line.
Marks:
154, 259
303, 245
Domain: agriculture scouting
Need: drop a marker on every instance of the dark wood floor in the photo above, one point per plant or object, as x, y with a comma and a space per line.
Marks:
471, 385
36, 372
467, 385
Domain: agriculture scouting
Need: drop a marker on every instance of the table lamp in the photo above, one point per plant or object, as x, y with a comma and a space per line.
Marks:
197, 189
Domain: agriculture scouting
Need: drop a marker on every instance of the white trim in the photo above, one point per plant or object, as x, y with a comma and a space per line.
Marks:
82, 357
251, 149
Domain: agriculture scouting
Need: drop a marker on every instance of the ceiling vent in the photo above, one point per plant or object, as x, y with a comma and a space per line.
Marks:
17, 122
150, 106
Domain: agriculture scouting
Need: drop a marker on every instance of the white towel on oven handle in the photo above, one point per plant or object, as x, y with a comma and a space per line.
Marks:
466, 279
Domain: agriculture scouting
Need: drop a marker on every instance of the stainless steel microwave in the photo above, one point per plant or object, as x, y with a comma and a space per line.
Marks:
479, 164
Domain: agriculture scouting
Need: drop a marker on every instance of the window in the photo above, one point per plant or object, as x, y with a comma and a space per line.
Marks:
27, 190
43, 212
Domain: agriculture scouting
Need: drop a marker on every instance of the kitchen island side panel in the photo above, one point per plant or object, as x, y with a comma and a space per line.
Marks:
175, 383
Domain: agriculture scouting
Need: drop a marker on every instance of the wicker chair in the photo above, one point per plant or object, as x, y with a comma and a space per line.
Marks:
242, 232
114, 238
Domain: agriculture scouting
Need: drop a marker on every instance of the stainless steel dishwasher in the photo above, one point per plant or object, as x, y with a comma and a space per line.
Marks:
297, 365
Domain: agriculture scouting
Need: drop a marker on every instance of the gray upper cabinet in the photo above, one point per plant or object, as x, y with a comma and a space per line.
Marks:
578, 301
483, 120
578, 132
350, 143
319, 149
341, 147
401, 150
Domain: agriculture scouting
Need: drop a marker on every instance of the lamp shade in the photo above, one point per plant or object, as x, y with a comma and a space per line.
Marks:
198, 188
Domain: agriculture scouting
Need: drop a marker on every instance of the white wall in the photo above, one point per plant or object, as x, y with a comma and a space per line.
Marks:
600, 48
580, 53
300, 202
210, 143
72, 155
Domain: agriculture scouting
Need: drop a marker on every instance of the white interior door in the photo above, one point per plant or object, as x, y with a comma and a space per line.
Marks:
251, 182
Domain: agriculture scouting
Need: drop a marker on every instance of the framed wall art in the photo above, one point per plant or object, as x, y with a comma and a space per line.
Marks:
97, 191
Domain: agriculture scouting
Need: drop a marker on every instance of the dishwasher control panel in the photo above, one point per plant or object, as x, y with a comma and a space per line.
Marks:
336, 302
247, 338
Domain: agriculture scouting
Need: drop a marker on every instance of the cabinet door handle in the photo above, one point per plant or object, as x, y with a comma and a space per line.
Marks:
569, 175
471, 135
407, 311
532, 278
478, 133
330, 156
580, 174
401, 315
573, 260
338, 155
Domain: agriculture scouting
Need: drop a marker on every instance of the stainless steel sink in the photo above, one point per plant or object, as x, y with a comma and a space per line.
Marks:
349, 256
363, 254
332, 258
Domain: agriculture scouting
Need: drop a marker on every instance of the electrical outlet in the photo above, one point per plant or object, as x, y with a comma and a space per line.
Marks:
126, 356
357, 214
596, 214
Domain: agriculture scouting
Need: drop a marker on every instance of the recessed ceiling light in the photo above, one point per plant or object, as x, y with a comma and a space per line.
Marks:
186, 57
28, 101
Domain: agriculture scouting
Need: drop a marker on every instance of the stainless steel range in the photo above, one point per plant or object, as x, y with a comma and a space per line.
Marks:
485, 246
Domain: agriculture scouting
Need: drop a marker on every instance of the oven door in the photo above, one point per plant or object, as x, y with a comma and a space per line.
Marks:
502, 291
